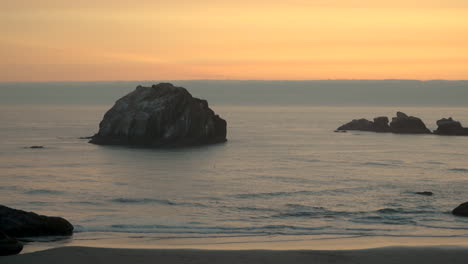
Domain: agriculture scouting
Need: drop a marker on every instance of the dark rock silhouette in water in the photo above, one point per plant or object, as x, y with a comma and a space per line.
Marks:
162, 115
426, 193
36, 147
404, 124
17, 223
461, 210
9, 245
450, 127
401, 124
358, 124
381, 124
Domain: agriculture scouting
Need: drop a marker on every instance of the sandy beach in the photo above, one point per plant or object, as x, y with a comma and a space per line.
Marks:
89, 255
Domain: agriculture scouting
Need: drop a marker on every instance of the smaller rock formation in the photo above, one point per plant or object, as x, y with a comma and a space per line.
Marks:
36, 147
461, 210
381, 124
9, 245
401, 124
450, 127
358, 124
404, 124
17, 223
426, 193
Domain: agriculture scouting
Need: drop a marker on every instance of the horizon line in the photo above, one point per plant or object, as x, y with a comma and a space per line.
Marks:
240, 80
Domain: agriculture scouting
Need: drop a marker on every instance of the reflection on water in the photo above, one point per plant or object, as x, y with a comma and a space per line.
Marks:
283, 172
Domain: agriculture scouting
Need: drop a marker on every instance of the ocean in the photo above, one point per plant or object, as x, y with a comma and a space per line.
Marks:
283, 174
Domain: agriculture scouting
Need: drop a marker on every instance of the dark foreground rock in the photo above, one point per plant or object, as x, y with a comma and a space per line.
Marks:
162, 115
18, 224
401, 124
450, 127
461, 210
9, 245
404, 124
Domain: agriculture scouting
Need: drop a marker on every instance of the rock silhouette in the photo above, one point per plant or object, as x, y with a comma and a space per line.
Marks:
404, 124
9, 245
450, 127
162, 115
461, 210
18, 223
401, 124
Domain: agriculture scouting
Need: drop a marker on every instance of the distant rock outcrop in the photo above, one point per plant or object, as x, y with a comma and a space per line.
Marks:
425, 193
450, 127
162, 115
17, 223
36, 147
9, 245
401, 124
461, 210
358, 124
404, 124
381, 124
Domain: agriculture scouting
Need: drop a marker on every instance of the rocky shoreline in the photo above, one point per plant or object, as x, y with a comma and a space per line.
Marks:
404, 124
16, 225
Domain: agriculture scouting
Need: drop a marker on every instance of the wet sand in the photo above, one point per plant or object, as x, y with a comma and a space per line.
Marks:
384, 255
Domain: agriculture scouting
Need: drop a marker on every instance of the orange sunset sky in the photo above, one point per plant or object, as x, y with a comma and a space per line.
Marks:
84, 40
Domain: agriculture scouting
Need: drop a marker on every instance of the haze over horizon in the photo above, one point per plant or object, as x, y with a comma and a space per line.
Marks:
242, 40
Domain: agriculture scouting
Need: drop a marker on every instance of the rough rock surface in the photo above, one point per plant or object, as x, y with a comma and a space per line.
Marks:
404, 124
17, 223
450, 127
9, 245
358, 124
401, 124
461, 210
381, 124
162, 115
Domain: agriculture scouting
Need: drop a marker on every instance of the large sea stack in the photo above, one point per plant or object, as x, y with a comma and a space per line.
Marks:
162, 115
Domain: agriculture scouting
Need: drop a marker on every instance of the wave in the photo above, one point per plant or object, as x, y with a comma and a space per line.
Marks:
44, 191
388, 220
155, 201
85, 202
444, 227
378, 164
403, 211
459, 170
219, 230
314, 212
271, 194
246, 208
8, 187
435, 162
142, 201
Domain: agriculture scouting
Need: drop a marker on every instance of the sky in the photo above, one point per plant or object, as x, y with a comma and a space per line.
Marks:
91, 40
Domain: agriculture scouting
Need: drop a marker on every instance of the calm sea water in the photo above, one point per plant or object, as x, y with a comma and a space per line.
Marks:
282, 172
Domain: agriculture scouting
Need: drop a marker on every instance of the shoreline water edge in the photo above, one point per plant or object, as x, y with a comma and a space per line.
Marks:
393, 255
